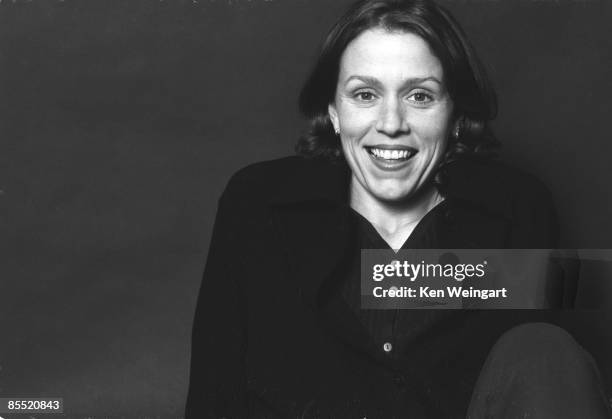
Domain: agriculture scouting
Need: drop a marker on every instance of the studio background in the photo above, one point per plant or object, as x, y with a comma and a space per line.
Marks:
121, 122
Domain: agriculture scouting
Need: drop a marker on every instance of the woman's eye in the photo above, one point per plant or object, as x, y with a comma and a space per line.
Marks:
365, 96
421, 97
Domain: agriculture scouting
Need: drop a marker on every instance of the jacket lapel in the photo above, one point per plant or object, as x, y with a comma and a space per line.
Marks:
312, 220
318, 245
316, 242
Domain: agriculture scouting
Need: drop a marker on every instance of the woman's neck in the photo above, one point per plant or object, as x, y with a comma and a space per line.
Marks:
393, 221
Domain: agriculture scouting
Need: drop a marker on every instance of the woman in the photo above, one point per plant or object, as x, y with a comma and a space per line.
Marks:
395, 158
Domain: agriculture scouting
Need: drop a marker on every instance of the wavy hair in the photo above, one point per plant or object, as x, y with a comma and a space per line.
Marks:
469, 87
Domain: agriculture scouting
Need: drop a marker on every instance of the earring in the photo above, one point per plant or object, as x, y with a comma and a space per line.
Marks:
337, 130
457, 131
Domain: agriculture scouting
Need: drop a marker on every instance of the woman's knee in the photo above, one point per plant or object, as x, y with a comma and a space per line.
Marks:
539, 369
536, 341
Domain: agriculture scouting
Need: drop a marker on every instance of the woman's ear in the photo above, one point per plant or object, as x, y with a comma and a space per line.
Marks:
333, 116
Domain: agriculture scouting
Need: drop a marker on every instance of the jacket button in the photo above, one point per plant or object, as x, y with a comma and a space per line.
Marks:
387, 347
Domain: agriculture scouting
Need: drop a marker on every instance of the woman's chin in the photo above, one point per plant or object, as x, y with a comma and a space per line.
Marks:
394, 196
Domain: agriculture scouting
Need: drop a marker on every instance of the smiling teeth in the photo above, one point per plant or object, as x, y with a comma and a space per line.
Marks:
390, 154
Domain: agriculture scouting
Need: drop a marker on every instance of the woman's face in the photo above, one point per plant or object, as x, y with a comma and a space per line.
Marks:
393, 112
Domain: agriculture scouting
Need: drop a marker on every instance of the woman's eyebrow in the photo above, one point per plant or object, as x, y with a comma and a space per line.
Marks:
365, 79
408, 82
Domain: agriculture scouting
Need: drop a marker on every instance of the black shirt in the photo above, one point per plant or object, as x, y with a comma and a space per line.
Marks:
392, 331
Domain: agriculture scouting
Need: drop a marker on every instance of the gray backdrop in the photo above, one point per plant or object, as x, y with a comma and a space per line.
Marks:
120, 123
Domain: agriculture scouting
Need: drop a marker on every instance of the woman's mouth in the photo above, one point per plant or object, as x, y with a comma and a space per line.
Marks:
391, 154
391, 158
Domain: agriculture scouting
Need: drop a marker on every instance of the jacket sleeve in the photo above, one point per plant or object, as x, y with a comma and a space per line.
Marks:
217, 385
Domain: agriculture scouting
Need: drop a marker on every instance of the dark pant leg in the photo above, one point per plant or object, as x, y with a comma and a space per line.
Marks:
538, 370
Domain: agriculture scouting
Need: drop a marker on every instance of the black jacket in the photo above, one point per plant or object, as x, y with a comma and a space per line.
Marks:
264, 344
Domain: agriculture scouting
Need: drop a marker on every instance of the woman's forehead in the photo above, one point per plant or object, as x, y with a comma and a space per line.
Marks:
389, 54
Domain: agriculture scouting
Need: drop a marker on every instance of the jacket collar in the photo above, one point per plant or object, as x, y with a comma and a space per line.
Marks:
484, 185
313, 180
477, 184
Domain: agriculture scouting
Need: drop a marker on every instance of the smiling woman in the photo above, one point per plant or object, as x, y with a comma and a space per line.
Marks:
397, 157
394, 115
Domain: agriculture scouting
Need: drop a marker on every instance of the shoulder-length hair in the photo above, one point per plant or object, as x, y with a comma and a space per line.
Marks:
469, 87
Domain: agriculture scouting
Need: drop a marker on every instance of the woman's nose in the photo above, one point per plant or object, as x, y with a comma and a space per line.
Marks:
392, 119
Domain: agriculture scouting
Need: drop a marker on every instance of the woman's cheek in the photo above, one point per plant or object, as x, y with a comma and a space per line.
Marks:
356, 121
435, 132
